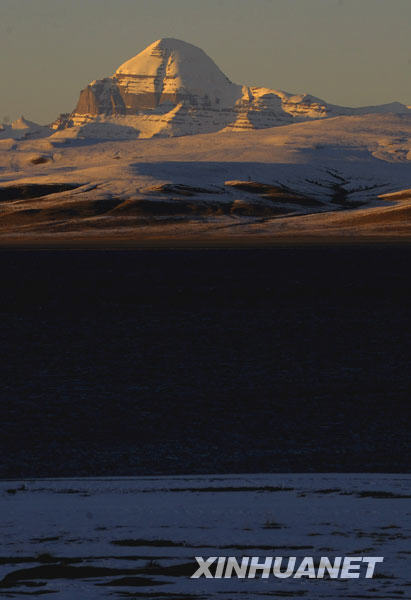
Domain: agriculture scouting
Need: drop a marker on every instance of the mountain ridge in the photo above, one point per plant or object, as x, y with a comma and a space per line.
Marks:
173, 88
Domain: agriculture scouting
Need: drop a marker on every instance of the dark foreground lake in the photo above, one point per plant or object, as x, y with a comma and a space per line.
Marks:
136, 362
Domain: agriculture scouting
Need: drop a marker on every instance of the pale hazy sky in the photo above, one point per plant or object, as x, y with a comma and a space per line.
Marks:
349, 52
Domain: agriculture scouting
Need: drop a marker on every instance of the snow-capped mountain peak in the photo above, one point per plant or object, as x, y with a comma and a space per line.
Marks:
177, 58
23, 123
174, 70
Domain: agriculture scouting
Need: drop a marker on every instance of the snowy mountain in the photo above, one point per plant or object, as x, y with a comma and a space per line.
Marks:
173, 88
23, 129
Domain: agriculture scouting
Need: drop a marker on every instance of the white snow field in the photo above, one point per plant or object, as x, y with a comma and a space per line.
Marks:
137, 537
343, 176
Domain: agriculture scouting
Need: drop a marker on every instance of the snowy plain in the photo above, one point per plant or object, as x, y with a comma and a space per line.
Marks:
137, 537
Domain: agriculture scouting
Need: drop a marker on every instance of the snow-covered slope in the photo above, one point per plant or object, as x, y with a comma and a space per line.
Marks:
173, 88
227, 182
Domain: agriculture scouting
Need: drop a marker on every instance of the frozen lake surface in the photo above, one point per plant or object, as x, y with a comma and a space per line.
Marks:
137, 537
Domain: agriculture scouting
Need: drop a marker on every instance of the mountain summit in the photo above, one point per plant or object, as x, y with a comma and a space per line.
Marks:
170, 71
173, 88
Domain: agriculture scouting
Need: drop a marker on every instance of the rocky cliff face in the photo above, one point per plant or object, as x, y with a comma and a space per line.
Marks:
173, 88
